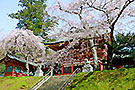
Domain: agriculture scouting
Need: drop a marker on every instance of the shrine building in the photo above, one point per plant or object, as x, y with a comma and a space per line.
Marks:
69, 66
14, 66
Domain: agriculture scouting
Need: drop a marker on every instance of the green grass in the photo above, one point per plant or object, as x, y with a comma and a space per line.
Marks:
17, 83
121, 79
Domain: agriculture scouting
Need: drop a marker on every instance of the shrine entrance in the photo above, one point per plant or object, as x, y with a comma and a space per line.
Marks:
75, 67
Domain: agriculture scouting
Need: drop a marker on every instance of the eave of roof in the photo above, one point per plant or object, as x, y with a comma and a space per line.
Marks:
2, 60
18, 59
21, 60
52, 43
57, 45
57, 42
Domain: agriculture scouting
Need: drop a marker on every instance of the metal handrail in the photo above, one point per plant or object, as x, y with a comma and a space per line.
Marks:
70, 79
41, 81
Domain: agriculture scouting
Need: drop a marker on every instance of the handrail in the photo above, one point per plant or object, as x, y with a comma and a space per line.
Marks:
41, 81
70, 79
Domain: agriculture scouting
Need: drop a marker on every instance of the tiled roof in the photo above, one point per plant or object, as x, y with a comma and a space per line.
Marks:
18, 59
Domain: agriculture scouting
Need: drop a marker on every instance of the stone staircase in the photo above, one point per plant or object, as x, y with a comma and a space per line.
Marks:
41, 81
54, 83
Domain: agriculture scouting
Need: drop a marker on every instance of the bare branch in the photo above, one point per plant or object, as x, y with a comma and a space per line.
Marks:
70, 12
127, 3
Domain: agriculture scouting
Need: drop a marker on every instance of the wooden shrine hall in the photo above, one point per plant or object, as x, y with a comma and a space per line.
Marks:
68, 66
14, 66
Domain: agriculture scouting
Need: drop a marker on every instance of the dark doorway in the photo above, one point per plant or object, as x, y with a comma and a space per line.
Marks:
75, 67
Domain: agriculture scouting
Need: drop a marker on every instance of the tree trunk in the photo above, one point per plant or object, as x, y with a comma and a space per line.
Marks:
109, 57
94, 52
27, 66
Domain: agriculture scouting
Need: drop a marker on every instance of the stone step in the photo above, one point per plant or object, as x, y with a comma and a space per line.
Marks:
54, 83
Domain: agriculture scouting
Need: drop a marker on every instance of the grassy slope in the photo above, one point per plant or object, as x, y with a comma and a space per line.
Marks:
121, 79
17, 83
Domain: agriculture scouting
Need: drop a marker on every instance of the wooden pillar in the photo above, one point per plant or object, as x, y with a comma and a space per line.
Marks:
13, 70
106, 67
120, 66
21, 71
5, 69
101, 67
72, 68
62, 68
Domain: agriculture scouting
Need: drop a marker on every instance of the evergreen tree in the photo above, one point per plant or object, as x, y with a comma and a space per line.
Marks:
33, 16
124, 44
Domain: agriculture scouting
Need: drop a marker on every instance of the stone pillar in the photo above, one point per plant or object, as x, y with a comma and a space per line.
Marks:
39, 72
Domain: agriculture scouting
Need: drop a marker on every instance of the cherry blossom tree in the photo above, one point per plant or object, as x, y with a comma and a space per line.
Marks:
92, 18
25, 44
